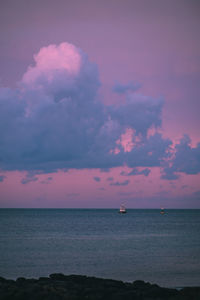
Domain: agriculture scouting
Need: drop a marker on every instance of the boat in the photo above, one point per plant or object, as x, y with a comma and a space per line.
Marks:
162, 211
122, 209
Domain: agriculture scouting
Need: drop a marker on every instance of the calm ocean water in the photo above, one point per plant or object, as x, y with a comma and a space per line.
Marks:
142, 244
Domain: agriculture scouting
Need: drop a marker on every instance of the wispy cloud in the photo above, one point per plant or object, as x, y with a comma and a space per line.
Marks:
30, 177
96, 178
135, 172
118, 183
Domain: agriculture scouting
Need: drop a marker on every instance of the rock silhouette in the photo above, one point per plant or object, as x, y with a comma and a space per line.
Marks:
78, 287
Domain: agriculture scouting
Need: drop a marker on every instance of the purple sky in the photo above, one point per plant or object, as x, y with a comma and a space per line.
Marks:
99, 103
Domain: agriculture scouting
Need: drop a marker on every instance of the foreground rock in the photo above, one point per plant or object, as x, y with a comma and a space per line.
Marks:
75, 287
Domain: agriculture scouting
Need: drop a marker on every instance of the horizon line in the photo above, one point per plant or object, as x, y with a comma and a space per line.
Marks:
92, 208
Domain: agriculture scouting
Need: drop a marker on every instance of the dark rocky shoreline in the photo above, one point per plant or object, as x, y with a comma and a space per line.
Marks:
77, 287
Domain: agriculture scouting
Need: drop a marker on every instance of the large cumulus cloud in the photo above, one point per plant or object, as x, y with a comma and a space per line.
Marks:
54, 119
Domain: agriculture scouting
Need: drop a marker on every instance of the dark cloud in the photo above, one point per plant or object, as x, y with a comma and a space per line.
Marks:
138, 112
117, 183
186, 159
149, 152
168, 174
2, 177
96, 178
123, 88
135, 171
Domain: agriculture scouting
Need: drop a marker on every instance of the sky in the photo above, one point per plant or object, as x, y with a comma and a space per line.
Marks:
99, 104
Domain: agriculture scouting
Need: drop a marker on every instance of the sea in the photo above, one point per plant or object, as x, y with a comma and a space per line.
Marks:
142, 244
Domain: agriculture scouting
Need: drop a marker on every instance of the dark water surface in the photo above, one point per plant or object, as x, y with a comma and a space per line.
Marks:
142, 244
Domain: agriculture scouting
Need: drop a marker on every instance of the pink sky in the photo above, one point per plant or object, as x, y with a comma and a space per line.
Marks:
153, 43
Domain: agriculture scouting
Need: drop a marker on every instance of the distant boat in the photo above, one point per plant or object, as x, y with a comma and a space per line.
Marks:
162, 211
122, 209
